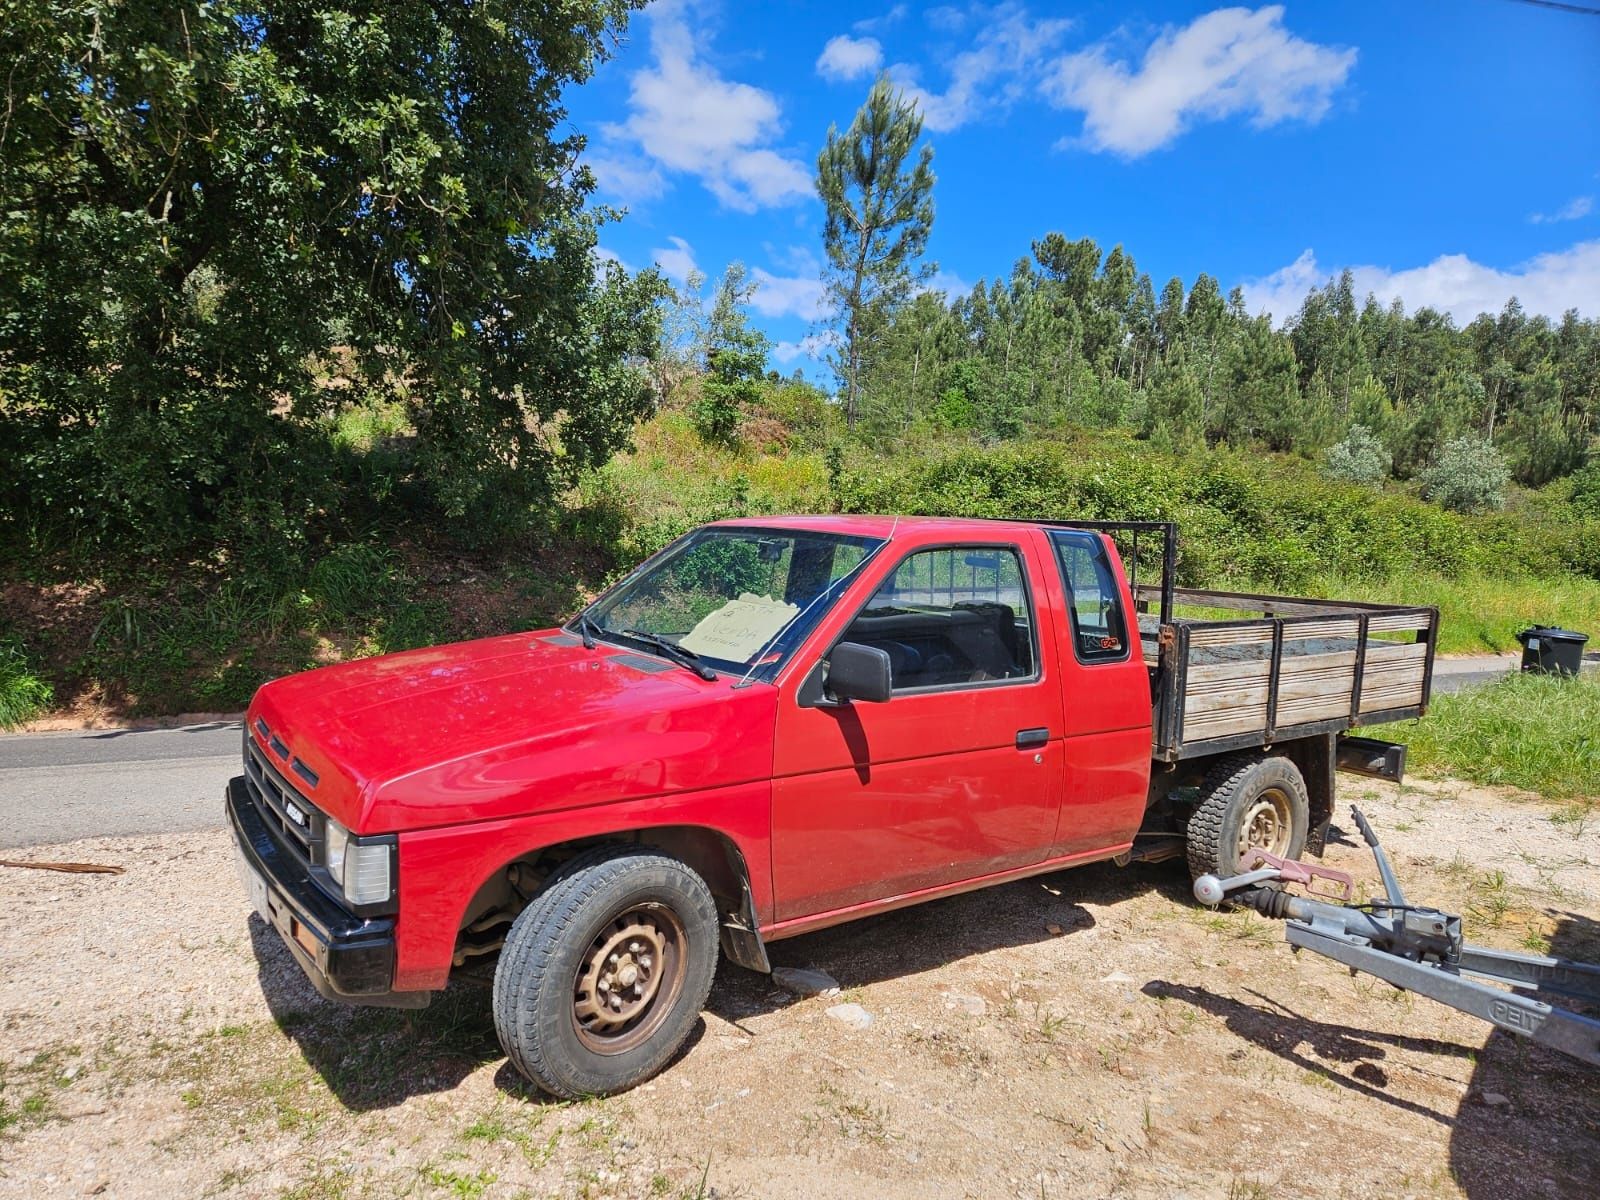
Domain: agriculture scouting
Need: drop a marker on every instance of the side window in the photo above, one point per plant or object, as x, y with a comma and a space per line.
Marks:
1099, 628
948, 617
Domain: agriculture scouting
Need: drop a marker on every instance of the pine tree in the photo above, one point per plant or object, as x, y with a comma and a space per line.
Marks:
877, 188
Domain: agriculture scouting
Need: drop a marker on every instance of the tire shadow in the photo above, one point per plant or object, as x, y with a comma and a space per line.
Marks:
926, 936
374, 1058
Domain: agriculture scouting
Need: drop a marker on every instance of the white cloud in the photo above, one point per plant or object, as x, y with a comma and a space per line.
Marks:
1574, 210
802, 296
814, 346
870, 24
676, 261
1549, 284
1007, 54
845, 57
1226, 63
948, 282
627, 177
685, 118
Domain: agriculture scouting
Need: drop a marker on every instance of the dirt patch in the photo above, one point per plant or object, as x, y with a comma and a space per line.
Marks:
1090, 1033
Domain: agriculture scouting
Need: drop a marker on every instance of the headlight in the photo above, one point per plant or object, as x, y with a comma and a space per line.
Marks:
361, 869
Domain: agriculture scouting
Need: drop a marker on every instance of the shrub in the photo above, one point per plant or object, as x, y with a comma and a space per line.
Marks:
23, 695
1469, 476
1360, 458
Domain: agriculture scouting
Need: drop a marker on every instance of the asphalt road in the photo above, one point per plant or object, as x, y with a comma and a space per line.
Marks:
55, 787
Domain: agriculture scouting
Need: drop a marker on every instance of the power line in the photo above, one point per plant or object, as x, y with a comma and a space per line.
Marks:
1559, 7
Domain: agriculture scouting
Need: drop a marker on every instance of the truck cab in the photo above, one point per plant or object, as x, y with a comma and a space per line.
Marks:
772, 726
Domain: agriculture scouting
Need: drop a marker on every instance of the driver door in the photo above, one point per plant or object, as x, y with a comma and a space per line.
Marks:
959, 775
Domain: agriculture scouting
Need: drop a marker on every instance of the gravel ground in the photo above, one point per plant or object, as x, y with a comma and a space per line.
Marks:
1090, 1033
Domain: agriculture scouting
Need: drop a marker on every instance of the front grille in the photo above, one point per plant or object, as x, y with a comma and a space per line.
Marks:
277, 800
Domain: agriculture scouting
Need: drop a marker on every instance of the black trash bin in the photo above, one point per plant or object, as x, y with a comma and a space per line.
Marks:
1550, 651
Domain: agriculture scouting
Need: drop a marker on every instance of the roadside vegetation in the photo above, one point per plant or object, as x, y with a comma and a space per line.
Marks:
247, 427
1537, 733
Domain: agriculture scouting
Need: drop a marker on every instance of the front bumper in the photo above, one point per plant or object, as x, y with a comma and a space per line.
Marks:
346, 957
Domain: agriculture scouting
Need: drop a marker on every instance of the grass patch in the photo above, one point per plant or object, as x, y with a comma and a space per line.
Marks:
1478, 613
23, 695
1535, 732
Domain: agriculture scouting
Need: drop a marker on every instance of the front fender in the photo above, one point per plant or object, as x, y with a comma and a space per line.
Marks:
442, 869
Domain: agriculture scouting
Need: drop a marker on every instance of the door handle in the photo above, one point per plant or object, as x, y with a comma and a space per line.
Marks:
1029, 739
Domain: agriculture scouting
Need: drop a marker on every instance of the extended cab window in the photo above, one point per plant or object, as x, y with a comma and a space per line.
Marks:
949, 617
1099, 629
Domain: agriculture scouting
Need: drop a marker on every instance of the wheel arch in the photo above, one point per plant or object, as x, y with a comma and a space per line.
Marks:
709, 852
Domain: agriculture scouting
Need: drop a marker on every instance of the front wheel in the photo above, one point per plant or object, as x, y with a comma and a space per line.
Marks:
1246, 803
603, 975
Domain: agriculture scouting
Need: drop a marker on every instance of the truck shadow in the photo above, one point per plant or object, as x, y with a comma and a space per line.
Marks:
934, 934
376, 1058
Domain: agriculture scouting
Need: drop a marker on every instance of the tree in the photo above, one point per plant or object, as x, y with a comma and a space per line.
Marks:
879, 215
220, 221
736, 357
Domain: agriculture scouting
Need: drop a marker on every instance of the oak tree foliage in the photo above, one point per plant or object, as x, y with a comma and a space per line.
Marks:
222, 221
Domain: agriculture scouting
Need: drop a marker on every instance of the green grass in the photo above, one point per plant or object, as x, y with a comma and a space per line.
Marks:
1538, 733
23, 695
1479, 614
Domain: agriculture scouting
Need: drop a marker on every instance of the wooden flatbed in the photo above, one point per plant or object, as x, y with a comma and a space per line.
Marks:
1292, 668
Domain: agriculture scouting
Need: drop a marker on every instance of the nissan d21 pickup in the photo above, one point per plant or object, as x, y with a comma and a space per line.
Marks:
779, 724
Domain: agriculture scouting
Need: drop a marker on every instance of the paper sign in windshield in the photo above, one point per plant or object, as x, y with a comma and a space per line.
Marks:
739, 628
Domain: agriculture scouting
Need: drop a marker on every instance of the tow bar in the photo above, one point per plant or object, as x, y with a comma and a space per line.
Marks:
1416, 948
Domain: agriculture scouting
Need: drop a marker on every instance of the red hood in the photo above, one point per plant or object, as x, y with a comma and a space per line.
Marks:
504, 726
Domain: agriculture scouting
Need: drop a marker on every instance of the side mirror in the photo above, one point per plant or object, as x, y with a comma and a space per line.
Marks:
857, 672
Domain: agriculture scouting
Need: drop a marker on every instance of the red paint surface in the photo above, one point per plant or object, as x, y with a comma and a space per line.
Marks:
480, 752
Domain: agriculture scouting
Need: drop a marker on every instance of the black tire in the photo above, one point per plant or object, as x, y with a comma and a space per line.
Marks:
558, 991
1247, 800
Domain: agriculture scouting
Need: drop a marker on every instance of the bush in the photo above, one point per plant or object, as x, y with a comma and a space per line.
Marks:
23, 695
1360, 458
1469, 476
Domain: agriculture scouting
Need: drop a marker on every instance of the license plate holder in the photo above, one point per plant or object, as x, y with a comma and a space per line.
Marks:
254, 885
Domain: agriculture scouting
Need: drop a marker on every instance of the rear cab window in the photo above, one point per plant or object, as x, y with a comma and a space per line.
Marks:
1094, 597
952, 616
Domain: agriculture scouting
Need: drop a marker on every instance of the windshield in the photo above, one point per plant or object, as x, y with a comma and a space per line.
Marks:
739, 599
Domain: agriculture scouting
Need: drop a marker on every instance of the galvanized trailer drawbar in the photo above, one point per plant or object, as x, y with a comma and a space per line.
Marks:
1419, 949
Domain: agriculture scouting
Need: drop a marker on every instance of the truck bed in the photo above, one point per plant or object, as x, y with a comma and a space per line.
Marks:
1292, 668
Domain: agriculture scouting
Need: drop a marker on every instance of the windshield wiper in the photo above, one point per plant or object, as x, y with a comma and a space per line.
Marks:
587, 628
684, 658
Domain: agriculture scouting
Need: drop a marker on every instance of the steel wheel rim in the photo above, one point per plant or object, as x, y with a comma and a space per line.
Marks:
1265, 824
629, 978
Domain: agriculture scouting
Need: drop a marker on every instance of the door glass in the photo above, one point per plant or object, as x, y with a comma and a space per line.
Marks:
949, 617
1099, 630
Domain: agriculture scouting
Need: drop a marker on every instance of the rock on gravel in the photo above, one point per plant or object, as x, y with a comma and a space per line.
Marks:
805, 981
974, 1006
852, 1015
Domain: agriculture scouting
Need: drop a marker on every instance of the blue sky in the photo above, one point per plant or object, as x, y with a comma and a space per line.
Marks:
1447, 151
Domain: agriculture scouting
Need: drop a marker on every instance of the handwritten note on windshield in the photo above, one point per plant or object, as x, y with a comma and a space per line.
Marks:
739, 628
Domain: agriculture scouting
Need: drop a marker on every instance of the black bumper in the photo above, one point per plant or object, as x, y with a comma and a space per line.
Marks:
346, 957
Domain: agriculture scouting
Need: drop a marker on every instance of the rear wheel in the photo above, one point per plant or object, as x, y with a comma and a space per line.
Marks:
604, 973
1247, 802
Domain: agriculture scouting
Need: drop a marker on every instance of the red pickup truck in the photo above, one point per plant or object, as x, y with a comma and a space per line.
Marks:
776, 725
